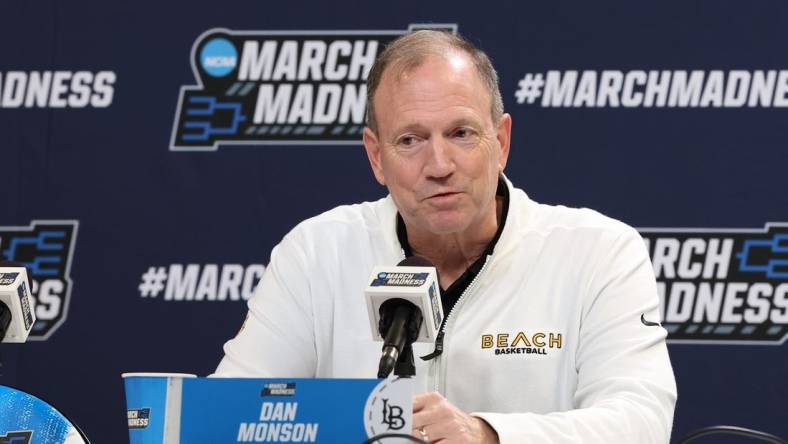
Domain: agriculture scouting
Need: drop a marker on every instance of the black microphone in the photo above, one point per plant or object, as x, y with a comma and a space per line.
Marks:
400, 323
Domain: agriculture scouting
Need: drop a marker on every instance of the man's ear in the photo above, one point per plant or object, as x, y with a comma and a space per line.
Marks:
504, 136
372, 147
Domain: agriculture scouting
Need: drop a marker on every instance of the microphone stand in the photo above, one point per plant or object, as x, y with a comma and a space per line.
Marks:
405, 368
400, 327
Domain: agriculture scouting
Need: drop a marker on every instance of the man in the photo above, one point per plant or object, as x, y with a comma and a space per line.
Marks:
544, 341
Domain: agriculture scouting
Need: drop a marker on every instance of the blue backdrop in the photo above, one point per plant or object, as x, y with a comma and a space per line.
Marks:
145, 244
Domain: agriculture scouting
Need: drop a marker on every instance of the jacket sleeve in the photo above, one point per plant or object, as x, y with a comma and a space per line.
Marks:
277, 338
626, 391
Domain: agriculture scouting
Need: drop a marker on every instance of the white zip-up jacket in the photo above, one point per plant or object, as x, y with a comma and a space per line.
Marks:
548, 344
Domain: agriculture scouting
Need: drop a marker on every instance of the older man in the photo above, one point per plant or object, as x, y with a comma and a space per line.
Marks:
551, 334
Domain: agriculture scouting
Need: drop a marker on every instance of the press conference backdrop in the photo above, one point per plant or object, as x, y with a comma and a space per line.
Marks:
154, 153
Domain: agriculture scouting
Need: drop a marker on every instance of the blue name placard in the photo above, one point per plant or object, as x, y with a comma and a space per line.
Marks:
175, 410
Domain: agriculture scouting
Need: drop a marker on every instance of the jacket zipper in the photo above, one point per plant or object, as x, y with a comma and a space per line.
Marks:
439, 364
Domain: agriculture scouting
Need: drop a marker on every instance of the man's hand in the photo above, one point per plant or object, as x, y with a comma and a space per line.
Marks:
436, 420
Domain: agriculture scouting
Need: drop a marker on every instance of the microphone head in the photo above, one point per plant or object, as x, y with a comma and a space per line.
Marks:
414, 280
415, 261
420, 261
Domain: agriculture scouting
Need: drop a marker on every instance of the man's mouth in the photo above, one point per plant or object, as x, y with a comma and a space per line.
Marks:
443, 196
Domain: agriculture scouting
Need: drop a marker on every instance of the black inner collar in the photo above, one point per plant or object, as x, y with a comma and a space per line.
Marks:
450, 295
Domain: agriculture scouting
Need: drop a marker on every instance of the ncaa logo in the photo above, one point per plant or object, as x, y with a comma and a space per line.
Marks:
218, 57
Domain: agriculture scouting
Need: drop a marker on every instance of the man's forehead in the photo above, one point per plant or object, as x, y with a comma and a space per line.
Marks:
403, 72
437, 80
434, 77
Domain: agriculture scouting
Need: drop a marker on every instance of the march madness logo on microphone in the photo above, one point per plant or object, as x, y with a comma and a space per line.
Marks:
278, 87
46, 248
393, 279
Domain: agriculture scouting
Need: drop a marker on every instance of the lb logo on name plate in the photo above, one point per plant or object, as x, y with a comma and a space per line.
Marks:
388, 408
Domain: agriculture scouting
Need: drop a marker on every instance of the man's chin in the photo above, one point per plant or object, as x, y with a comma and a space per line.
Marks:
447, 224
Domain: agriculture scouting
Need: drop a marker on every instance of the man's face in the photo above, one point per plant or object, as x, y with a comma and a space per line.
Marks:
437, 149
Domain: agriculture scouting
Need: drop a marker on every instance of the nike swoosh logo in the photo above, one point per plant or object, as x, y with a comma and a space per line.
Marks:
648, 323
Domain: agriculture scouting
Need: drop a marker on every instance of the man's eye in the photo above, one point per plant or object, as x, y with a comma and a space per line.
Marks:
407, 140
462, 133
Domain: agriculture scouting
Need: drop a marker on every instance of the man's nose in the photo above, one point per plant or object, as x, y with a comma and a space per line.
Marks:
441, 161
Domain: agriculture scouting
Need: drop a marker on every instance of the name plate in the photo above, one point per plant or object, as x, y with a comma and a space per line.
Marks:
183, 409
